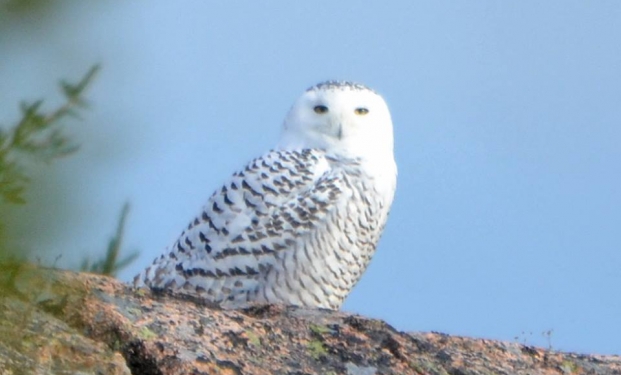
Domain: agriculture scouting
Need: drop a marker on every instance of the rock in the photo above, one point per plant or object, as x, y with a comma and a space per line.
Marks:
40, 332
61, 322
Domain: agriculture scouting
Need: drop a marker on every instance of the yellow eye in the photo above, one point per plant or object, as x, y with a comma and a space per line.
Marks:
320, 109
361, 111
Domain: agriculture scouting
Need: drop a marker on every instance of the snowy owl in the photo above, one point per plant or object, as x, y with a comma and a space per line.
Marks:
298, 225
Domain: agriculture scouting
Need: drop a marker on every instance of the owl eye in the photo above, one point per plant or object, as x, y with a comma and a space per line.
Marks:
320, 109
361, 111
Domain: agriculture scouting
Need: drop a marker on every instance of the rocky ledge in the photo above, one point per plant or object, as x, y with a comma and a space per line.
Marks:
61, 322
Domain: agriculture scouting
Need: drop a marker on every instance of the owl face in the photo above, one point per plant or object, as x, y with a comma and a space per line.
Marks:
340, 117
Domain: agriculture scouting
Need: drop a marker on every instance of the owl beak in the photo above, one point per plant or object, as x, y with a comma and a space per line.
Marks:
339, 133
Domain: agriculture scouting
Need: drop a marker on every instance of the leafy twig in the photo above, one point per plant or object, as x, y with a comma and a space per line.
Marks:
38, 136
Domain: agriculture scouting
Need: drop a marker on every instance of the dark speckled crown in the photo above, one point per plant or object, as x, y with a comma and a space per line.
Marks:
340, 85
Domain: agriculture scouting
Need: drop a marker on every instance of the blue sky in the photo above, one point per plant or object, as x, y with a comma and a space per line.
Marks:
507, 218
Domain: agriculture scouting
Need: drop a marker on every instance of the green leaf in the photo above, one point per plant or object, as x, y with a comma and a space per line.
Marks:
110, 264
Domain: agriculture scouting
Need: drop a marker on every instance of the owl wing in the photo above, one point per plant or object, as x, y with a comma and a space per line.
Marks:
276, 200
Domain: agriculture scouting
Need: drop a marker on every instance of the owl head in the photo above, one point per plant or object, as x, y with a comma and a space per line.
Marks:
342, 118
